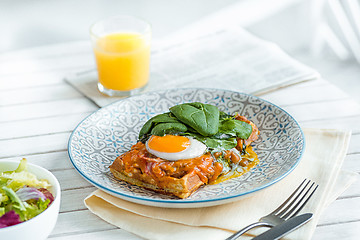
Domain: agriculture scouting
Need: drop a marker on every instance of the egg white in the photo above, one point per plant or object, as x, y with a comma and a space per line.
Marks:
195, 149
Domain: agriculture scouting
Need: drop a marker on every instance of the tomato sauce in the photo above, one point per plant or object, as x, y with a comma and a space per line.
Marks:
139, 161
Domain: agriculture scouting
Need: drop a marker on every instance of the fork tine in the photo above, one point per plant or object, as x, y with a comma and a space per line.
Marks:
291, 197
304, 203
292, 207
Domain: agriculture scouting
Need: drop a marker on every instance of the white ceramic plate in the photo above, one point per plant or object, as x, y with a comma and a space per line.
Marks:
112, 130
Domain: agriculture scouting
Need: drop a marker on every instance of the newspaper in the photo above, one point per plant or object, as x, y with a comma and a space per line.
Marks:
228, 58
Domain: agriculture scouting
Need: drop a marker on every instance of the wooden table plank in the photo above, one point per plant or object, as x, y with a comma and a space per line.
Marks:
340, 212
41, 126
45, 109
70, 179
38, 94
73, 199
354, 146
353, 191
48, 51
103, 235
351, 162
316, 91
323, 110
344, 231
348, 123
22, 147
79, 222
49, 160
37, 65
18, 81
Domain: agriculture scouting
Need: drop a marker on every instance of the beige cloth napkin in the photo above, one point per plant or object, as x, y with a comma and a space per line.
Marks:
324, 155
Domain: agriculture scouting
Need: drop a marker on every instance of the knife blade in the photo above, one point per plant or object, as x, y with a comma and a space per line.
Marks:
284, 228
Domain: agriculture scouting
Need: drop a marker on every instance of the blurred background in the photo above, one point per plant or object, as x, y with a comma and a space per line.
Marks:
323, 34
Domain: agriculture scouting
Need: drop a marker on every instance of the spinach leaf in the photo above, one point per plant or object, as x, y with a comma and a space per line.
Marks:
217, 130
214, 144
223, 116
220, 144
235, 128
152, 122
204, 118
164, 128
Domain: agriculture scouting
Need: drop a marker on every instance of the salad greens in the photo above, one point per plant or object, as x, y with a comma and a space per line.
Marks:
22, 195
216, 129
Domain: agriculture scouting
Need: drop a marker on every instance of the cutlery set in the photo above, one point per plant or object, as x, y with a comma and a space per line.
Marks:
283, 220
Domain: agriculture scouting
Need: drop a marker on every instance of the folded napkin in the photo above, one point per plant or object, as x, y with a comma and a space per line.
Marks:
322, 160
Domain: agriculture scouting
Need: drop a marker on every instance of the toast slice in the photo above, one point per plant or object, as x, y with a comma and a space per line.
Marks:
179, 187
178, 178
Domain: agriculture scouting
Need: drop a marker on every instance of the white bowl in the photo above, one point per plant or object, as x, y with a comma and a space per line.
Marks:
39, 227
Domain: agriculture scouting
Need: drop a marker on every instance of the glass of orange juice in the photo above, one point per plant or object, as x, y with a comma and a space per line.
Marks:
122, 52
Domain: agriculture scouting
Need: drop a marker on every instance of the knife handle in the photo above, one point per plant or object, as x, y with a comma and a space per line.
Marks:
285, 227
247, 228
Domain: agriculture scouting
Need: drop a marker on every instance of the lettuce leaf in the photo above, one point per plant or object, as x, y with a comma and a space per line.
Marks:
32, 209
22, 195
15, 200
21, 177
8, 219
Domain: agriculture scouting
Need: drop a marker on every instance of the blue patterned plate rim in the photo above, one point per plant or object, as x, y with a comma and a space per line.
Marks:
183, 201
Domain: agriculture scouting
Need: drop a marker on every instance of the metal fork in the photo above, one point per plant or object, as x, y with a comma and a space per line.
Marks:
286, 210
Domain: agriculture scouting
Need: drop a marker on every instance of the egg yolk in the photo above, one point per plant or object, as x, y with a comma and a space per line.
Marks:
168, 143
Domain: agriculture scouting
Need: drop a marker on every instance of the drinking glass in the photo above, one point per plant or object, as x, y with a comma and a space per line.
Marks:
121, 46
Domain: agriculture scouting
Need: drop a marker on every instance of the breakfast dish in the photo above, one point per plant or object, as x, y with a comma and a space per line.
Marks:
112, 130
191, 145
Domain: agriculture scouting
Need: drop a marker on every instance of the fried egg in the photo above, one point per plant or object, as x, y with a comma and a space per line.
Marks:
172, 148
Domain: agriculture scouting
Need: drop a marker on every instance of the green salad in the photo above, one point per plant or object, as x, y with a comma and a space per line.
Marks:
22, 195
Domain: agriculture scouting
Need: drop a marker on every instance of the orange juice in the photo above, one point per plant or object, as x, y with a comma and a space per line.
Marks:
123, 60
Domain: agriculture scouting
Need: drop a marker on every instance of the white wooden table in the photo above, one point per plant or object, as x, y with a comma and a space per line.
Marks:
38, 111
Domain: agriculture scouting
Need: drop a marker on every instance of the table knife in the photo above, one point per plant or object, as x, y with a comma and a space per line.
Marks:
284, 228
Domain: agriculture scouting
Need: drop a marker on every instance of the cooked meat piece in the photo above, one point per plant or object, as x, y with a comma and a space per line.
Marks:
253, 136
